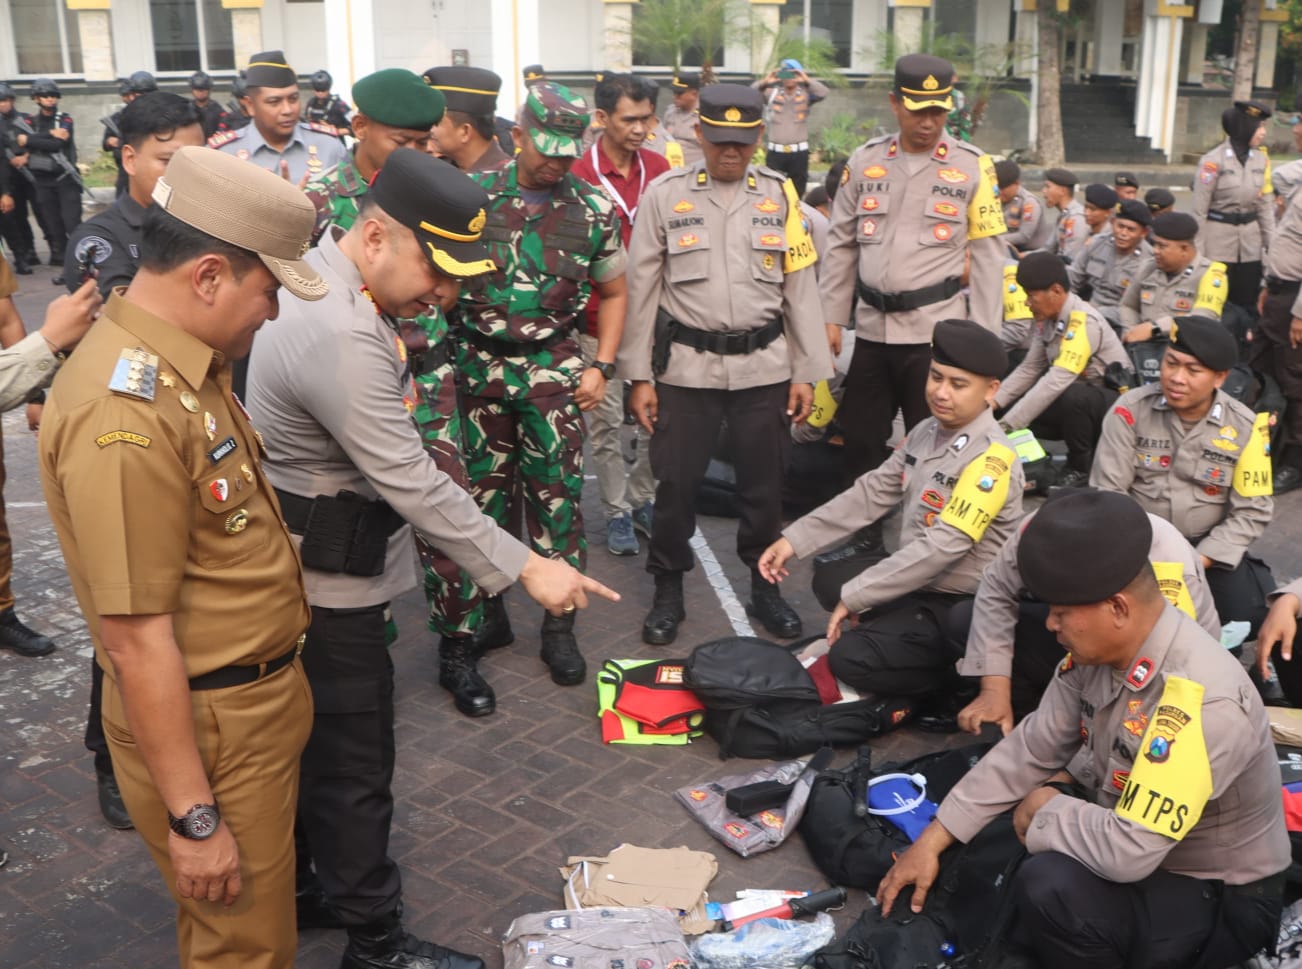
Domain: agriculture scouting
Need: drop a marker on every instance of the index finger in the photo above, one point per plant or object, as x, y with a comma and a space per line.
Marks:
589, 584
886, 892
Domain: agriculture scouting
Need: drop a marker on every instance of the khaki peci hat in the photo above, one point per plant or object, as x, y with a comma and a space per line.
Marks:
245, 206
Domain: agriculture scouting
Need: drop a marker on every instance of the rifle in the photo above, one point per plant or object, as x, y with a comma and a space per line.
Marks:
59, 157
108, 122
10, 155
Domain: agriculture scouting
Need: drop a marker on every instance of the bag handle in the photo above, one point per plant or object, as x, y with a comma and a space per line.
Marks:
917, 780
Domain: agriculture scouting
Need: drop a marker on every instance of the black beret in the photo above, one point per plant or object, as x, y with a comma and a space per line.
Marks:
1040, 270
1061, 176
1100, 196
1159, 198
1210, 341
1084, 547
270, 69
1125, 180
1175, 226
1134, 211
968, 346
1007, 172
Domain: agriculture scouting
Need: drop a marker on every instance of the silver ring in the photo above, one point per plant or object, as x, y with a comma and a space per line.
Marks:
568, 609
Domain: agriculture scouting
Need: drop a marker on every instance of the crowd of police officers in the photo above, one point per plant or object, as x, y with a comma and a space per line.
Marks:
922, 279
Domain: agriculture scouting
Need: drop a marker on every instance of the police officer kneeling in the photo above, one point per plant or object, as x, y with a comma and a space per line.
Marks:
1145, 786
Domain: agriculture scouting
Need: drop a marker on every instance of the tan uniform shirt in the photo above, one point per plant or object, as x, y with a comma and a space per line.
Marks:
924, 477
1093, 721
25, 367
1226, 185
159, 499
1284, 259
989, 649
1078, 345
1285, 180
1185, 477
1157, 298
901, 222
1107, 273
1071, 232
330, 386
680, 126
1028, 228
786, 112
1293, 588
717, 262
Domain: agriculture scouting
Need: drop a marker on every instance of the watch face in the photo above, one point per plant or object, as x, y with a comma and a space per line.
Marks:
202, 822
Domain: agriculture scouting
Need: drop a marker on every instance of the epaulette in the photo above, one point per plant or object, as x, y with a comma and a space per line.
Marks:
966, 146
135, 374
879, 140
320, 128
771, 172
225, 137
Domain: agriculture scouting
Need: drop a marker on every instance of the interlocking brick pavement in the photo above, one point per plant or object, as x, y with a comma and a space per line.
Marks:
487, 810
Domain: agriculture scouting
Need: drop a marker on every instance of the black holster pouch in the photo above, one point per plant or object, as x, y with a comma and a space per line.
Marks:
664, 338
347, 533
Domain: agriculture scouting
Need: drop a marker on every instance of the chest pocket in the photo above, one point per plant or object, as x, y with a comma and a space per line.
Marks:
232, 520
567, 255
1147, 295
689, 254
943, 224
767, 248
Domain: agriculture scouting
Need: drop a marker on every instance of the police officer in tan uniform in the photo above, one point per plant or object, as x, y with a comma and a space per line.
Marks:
1070, 231
1145, 787
1276, 637
958, 483
1232, 200
1175, 281
1191, 453
678, 124
1111, 261
1004, 640
724, 315
1023, 213
1100, 205
1058, 389
912, 208
1277, 344
142, 438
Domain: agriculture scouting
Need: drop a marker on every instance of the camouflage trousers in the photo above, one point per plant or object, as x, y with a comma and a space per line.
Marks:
455, 602
538, 443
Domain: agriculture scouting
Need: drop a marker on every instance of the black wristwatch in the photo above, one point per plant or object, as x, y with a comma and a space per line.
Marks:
198, 824
607, 370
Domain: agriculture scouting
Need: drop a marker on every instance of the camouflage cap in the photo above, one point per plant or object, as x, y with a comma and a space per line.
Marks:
555, 118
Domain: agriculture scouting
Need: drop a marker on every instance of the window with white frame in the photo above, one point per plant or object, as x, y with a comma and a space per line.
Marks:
829, 20
45, 38
191, 35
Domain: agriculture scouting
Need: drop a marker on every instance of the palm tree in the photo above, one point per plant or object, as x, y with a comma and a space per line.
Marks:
672, 31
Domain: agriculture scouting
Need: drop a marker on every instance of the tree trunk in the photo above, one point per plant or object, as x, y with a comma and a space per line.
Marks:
1048, 104
1245, 53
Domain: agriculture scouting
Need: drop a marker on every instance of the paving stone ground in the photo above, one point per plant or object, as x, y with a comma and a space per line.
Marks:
486, 810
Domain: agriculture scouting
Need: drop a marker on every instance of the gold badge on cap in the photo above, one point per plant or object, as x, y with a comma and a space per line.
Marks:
237, 521
478, 222
190, 402
732, 114
930, 84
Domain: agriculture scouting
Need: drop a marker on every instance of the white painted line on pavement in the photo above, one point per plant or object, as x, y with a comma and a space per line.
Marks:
732, 606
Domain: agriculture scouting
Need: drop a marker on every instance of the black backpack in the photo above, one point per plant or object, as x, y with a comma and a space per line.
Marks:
760, 702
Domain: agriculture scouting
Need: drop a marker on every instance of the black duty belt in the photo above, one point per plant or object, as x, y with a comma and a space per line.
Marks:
1275, 285
728, 344
1269, 887
296, 510
430, 360
1232, 218
229, 676
513, 348
910, 299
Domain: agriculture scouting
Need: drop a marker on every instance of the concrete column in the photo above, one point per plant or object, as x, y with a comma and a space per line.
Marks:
1267, 48
95, 33
515, 44
766, 20
1025, 39
1109, 24
617, 37
991, 23
868, 22
350, 41
1197, 57
1159, 80
908, 28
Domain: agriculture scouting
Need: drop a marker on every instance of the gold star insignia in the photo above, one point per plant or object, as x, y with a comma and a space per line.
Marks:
167, 380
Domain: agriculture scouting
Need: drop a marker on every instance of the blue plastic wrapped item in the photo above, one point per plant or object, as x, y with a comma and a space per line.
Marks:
766, 943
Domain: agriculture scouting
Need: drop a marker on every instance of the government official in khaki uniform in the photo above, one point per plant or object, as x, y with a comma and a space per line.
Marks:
467, 133
352, 473
1070, 231
183, 569
1232, 200
1191, 453
1024, 214
1175, 282
724, 315
1277, 343
680, 120
958, 484
1003, 638
1058, 390
1112, 261
1276, 637
1145, 787
914, 208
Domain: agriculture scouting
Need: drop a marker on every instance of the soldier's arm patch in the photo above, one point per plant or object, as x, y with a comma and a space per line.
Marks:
1252, 472
985, 216
1212, 289
1075, 351
980, 493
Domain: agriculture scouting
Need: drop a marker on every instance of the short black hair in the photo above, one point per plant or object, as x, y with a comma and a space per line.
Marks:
833, 180
612, 87
158, 114
485, 125
166, 242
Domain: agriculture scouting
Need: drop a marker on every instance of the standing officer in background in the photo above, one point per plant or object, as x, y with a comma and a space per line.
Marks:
680, 120
351, 473
52, 159
211, 114
1112, 260
554, 240
1126, 186
1191, 453
141, 437
20, 189
467, 133
1070, 232
724, 316
1175, 281
1232, 201
237, 115
141, 82
277, 140
789, 93
1023, 213
913, 207
1277, 344
326, 108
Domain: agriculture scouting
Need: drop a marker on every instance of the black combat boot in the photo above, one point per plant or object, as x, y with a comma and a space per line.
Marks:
661, 624
111, 805
22, 640
311, 907
387, 945
458, 675
767, 605
560, 650
495, 631
21, 266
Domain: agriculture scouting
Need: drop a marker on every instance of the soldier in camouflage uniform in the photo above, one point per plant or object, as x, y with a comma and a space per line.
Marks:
555, 239
395, 108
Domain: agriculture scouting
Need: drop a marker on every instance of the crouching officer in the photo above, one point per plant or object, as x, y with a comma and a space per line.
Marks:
958, 483
724, 287
351, 472
1176, 281
1191, 453
1145, 787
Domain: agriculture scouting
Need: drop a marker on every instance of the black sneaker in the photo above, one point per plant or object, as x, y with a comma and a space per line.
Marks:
1286, 479
22, 640
387, 945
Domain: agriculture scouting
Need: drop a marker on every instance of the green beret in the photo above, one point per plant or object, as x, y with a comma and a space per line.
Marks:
1209, 341
398, 98
968, 346
1084, 547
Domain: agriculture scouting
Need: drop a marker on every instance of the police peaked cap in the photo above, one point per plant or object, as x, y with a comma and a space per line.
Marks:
1040, 270
1084, 547
968, 346
1209, 341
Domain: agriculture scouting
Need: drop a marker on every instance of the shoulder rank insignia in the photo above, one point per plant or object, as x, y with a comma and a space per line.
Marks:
702, 177
135, 374
325, 129
751, 183
225, 138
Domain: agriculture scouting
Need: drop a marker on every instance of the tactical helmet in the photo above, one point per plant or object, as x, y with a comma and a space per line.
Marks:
7, 93
124, 87
142, 82
322, 81
44, 87
240, 86
199, 81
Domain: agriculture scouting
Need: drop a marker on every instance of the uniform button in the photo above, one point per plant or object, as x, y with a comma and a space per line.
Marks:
43, 365
1040, 822
1087, 772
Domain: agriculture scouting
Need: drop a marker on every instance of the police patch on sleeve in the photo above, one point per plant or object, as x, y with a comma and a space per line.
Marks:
102, 249
1170, 579
980, 492
1171, 780
1074, 351
985, 216
1213, 288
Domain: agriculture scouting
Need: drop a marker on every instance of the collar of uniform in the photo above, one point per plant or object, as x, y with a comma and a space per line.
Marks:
942, 151
607, 167
1144, 664
131, 210
349, 179
1216, 414
188, 355
961, 440
337, 263
260, 142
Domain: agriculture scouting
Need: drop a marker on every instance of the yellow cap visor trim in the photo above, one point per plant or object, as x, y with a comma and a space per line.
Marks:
267, 64
939, 92
450, 266
731, 124
463, 90
929, 101
445, 234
